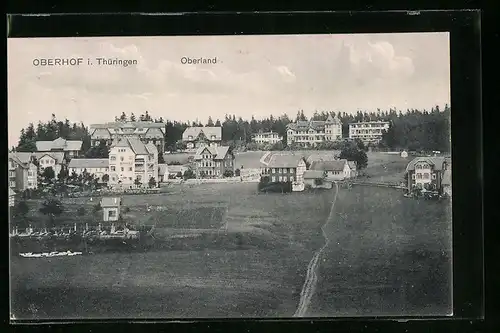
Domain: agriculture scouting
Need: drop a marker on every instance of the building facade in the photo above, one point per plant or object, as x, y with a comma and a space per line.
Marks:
12, 198
334, 170
267, 138
54, 160
132, 163
110, 209
428, 173
368, 131
197, 137
317, 179
311, 133
98, 167
283, 167
145, 131
213, 162
70, 148
23, 173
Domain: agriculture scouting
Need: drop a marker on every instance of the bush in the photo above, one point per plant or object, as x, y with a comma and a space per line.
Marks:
228, 173
237, 172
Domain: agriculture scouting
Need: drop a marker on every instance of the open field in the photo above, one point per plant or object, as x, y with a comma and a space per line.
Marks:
387, 255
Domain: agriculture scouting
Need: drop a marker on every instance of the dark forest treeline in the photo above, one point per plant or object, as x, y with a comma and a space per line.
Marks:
412, 129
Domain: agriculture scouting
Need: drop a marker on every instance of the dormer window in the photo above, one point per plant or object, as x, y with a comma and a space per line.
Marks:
190, 137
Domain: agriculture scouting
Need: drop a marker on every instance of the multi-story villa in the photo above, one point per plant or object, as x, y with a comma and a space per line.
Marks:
310, 133
70, 148
213, 162
146, 131
283, 167
196, 137
267, 137
23, 173
130, 160
428, 172
94, 166
368, 131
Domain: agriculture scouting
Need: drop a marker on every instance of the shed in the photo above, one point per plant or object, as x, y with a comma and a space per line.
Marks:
110, 208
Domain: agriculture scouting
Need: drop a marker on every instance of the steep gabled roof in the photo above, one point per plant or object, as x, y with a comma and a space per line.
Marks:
207, 131
58, 156
281, 160
218, 153
336, 165
436, 162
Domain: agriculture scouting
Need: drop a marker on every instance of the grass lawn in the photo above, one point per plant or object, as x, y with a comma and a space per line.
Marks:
388, 255
254, 265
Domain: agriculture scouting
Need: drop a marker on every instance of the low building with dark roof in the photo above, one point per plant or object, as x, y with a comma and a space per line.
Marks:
335, 169
94, 166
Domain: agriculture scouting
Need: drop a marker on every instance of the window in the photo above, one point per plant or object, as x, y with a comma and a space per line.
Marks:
419, 176
113, 178
433, 176
130, 169
112, 213
291, 178
112, 158
426, 175
129, 178
121, 158
273, 178
113, 168
122, 168
30, 184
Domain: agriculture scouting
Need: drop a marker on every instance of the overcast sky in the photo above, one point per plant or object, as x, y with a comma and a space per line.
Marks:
255, 75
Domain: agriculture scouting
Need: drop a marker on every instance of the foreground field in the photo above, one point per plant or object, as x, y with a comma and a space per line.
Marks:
387, 255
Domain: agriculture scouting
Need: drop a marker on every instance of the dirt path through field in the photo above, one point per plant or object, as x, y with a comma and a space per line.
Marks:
311, 277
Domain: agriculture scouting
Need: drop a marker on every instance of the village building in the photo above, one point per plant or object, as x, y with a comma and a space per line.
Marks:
335, 170
111, 207
317, 179
145, 131
197, 137
446, 183
311, 133
69, 148
23, 172
368, 131
267, 138
98, 167
54, 160
175, 170
132, 163
12, 198
213, 162
283, 167
428, 173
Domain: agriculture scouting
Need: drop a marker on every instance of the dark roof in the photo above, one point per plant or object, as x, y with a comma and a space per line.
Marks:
281, 160
129, 124
59, 143
88, 163
435, 161
218, 152
314, 174
336, 165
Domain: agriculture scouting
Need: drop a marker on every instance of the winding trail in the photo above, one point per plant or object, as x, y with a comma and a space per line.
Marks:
309, 286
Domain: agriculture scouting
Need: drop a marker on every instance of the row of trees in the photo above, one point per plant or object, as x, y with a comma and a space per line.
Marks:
413, 129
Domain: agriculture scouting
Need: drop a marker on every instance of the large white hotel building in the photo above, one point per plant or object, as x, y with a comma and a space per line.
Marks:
314, 131
368, 131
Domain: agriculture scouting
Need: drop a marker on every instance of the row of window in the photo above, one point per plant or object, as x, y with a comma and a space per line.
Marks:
212, 172
47, 162
379, 125
364, 131
422, 166
281, 178
280, 170
423, 176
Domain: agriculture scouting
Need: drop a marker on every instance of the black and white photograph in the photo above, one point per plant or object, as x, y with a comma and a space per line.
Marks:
242, 176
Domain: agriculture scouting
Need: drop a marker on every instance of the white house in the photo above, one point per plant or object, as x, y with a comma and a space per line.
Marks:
54, 160
94, 166
196, 137
310, 133
267, 137
23, 173
368, 131
131, 161
110, 208
335, 170
70, 148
